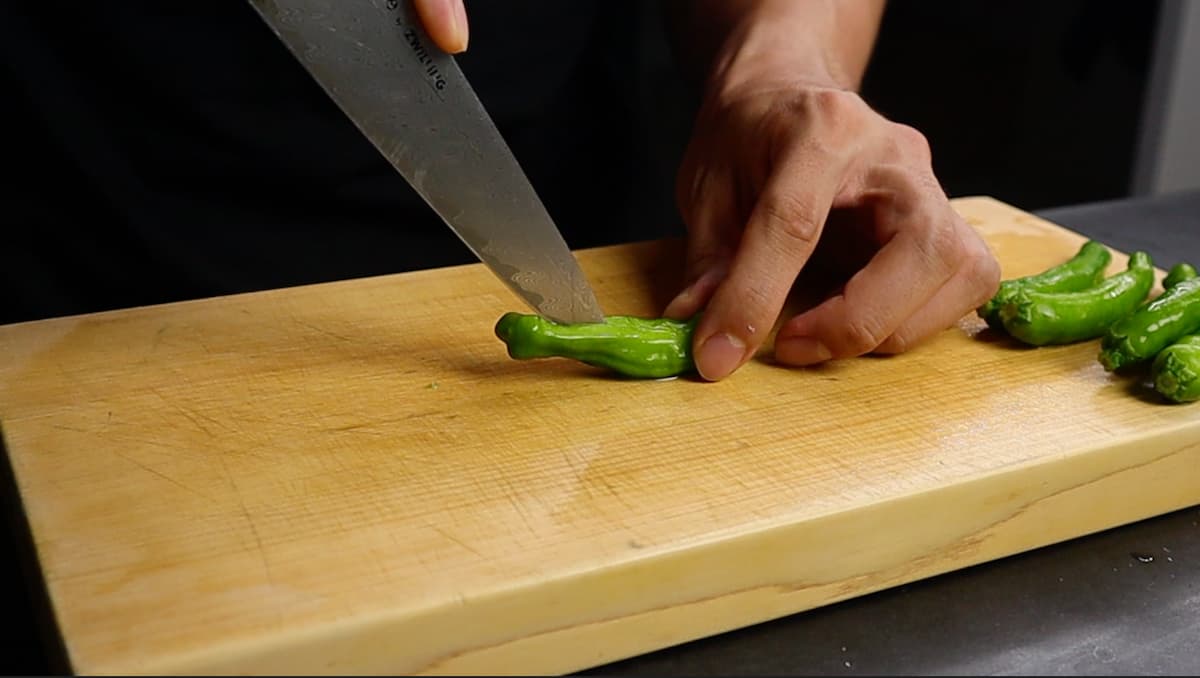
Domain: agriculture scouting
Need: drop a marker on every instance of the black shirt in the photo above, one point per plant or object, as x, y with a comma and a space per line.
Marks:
165, 151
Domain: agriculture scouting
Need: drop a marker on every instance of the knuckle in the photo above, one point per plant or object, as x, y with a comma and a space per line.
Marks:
939, 249
860, 335
837, 117
946, 245
911, 142
843, 118
790, 220
983, 274
900, 342
836, 104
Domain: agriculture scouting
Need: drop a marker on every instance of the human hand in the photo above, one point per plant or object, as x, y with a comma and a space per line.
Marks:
776, 165
446, 23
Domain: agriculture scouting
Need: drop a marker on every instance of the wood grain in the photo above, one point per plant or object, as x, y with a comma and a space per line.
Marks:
353, 477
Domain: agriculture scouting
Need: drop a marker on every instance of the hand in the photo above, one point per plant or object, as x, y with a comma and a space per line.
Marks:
446, 23
775, 166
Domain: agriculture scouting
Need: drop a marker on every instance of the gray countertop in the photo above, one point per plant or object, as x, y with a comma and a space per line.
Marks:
1121, 602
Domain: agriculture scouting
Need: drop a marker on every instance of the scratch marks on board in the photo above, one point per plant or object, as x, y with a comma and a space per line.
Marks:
153, 471
322, 330
451, 538
250, 522
196, 417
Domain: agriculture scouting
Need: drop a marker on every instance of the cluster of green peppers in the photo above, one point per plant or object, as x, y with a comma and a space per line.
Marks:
1074, 302
1164, 333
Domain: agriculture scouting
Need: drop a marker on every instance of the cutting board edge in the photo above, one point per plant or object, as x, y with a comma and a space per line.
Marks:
1021, 517
386, 278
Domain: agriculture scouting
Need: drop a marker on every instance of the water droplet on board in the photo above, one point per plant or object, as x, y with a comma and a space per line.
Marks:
1142, 557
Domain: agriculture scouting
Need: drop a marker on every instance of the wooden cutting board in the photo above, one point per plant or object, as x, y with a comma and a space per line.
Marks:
354, 477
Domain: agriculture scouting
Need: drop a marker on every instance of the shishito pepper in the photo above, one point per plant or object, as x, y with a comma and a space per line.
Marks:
644, 348
1043, 318
1083, 270
1176, 370
1139, 336
1178, 273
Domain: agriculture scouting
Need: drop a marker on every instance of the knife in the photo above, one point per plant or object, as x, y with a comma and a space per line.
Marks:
411, 100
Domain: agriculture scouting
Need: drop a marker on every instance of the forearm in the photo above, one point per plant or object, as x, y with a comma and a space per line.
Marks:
723, 42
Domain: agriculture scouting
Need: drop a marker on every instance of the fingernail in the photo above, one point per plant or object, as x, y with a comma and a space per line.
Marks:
801, 351
719, 356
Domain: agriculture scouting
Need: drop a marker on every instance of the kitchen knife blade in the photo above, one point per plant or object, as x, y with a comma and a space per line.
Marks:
414, 104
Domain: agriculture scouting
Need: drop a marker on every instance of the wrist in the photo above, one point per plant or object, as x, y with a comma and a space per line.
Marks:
757, 54
821, 43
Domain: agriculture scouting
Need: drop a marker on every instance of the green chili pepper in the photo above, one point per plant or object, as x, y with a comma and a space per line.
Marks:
1042, 318
1081, 271
1178, 273
1153, 327
1176, 370
645, 348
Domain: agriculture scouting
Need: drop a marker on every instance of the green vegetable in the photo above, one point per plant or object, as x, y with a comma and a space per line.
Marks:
1081, 271
1153, 327
1042, 318
1176, 370
645, 348
1178, 273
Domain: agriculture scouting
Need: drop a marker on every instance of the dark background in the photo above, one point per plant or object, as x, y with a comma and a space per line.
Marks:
1037, 104
164, 151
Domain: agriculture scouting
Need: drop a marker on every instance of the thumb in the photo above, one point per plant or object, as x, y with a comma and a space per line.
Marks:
446, 23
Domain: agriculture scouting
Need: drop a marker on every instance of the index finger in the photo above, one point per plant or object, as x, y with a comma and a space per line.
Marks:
781, 234
903, 276
446, 23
